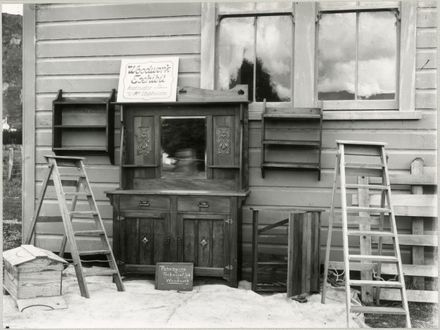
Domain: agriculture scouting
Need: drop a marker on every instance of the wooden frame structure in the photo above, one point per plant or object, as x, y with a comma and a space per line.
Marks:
305, 70
301, 230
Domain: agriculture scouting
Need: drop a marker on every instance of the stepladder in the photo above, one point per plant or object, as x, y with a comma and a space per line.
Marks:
369, 232
72, 187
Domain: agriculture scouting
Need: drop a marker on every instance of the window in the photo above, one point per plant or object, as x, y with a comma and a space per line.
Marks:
343, 55
358, 57
254, 47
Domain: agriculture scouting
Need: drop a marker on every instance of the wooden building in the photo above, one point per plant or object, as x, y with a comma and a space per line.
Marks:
381, 87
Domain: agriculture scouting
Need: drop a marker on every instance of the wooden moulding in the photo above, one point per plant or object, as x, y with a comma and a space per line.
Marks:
190, 94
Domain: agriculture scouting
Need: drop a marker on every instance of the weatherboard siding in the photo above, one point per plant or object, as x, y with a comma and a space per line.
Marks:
79, 48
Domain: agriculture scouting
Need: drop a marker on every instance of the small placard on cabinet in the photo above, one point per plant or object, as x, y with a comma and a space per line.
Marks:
174, 276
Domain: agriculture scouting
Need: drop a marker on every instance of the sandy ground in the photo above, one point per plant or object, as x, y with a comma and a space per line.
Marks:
208, 305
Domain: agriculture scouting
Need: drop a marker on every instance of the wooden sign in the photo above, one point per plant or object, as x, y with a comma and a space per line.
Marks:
152, 79
174, 276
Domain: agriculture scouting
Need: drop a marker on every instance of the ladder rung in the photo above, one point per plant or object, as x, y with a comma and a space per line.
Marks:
83, 212
364, 166
353, 169
96, 232
387, 284
362, 143
377, 310
355, 209
103, 272
370, 233
92, 252
272, 263
74, 193
372, 258
366, 186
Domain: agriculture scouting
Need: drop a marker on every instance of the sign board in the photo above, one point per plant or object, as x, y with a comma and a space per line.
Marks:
174, 276
152, 79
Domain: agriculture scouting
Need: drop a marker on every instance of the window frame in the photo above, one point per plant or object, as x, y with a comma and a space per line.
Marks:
255, 13
358, 104
305, 62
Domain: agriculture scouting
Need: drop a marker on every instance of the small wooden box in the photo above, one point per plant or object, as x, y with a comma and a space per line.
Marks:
31, 272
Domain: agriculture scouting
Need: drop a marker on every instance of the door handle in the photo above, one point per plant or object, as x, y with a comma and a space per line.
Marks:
145, 239
144, 204
203, 205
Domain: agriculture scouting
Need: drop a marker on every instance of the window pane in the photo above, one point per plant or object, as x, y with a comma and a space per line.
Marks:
274, 56
377, 55
337, 56
236, 53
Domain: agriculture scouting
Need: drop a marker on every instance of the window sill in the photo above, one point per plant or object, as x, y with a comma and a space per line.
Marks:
358, 115
371, 115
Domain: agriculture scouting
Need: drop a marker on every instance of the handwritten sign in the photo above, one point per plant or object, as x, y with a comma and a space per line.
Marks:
148, 79
174, 276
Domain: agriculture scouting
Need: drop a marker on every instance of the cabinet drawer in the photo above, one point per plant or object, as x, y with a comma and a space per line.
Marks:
143, 202
203, 204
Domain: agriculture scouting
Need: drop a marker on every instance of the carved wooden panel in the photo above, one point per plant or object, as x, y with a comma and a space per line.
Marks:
224, 140
143, 141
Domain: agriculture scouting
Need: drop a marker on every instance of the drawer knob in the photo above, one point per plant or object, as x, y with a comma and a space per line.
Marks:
203, 205
144, 203
203, 242
145, 240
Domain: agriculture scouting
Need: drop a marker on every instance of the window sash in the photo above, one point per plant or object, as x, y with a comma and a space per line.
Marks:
360, 7
305, 13
220, 15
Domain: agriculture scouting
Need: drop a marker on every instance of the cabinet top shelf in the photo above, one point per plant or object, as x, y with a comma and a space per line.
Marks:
191, 95
296, 113
201, 187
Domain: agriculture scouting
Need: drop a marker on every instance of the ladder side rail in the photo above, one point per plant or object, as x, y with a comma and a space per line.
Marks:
98, 220
69, 231
396, 240
345, 232
330, 229
72, 208
31, 231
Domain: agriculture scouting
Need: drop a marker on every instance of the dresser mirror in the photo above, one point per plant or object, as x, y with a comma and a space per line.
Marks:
183, 147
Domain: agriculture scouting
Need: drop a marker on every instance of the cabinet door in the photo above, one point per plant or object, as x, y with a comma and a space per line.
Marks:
205, 242
147, 239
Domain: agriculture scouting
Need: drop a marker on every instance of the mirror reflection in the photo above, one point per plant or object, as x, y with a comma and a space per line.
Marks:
183, 143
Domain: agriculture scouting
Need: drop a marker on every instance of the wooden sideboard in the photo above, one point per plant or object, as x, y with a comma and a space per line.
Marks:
165, 214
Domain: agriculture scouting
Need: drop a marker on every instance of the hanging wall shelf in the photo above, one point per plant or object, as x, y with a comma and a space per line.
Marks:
83, 126
286, 135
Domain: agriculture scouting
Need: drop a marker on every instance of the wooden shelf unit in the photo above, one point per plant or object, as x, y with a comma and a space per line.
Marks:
309, 116
83, 125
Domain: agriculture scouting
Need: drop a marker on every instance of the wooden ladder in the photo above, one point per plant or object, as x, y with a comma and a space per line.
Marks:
80, 181
366, 159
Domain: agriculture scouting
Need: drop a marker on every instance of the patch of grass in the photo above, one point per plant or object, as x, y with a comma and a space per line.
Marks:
12, 189
423, 315
11, 235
